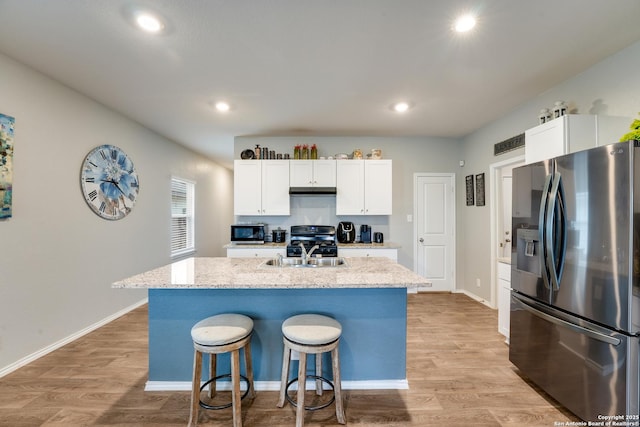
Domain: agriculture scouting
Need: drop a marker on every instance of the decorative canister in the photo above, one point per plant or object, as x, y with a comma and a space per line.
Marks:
376, 154
559, 109
296, 152
357, 154
304, 154
545, 116
314, 152
258, 151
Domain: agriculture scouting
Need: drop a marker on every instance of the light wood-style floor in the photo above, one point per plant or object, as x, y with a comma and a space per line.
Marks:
458, 370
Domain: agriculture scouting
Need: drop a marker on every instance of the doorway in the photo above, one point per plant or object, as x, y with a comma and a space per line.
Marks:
501, 239
434, 230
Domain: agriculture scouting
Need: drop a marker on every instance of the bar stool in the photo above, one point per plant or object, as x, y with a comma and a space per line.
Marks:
223, 333
311, 334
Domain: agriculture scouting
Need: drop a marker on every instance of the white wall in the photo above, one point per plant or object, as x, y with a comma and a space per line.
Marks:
609, 88
409, 155
59, 258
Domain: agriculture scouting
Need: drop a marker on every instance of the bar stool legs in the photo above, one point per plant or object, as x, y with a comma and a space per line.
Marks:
320, 334
225, 333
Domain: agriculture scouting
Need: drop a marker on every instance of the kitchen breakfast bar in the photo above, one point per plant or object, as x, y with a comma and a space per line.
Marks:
368, 296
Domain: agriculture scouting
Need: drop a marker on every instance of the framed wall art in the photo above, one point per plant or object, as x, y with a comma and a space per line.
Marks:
469, 187
6, 165
480, 189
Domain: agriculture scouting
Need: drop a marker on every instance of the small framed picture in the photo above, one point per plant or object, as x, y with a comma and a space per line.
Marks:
469, 187
480, 189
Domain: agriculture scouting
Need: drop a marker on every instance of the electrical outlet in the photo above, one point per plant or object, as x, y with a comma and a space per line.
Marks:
478, 282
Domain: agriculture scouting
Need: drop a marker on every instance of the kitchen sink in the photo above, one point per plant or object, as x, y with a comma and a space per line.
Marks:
310, 262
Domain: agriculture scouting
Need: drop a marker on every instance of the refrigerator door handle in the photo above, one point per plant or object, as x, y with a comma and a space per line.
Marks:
556, 232
544, 201
577, 328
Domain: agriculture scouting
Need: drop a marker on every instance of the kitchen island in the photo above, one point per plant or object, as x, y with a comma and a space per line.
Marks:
368, 297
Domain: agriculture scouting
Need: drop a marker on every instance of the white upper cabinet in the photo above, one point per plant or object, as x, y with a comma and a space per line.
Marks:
566, 134
247, 187
312, 173
571, 133
261, 187
364, 187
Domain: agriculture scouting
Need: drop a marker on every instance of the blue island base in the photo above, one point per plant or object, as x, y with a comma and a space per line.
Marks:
372, 347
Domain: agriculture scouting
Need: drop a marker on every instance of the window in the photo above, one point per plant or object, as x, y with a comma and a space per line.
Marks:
182, 217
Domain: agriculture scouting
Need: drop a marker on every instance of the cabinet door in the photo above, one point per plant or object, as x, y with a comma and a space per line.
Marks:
301, 173
324, 173
369, 252
504, 298
275, 187
247, 187
545, 141
378, 186
255, 252
350, 187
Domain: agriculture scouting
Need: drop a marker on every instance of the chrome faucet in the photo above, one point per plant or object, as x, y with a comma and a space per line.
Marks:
304, 255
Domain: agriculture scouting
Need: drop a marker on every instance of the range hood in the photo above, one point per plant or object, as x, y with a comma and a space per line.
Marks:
311, 191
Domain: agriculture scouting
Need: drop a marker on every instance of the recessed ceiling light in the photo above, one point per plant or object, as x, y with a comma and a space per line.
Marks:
149, 22
222, 106
400, 107
464, 23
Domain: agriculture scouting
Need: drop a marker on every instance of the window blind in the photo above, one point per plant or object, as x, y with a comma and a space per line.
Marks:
182, 217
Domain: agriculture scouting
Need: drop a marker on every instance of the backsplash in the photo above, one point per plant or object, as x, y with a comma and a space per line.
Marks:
317, 210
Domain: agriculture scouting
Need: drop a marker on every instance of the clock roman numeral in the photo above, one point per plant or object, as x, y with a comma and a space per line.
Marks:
103, 207
93, 164
114, 154
132, 197
104, 156
93, 195
90, 179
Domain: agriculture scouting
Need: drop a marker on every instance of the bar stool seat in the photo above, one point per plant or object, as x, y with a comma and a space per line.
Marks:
311, 334
223, 333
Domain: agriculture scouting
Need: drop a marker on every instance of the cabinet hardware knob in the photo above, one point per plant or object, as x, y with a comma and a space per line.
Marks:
421, 240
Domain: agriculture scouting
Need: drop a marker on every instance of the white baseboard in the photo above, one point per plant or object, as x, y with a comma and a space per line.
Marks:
473, 296
275, 385
48, 349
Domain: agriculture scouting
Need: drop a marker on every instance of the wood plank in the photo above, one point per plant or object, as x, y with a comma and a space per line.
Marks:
458, 370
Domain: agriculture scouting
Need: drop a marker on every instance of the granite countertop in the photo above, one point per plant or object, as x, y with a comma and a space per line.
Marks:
250, 273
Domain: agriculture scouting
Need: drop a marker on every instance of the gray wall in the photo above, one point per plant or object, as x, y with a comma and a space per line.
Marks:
59, 258
409, 155
609, 88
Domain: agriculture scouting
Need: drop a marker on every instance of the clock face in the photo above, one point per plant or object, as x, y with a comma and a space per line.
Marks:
109, 182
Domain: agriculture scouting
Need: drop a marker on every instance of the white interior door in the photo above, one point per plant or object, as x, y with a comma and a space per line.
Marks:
504, 250
434, 200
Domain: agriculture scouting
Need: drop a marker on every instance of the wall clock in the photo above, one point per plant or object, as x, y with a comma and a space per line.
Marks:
109, 182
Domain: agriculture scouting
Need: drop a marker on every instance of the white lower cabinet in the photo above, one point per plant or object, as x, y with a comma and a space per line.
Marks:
504, 298
255, 252
367, 252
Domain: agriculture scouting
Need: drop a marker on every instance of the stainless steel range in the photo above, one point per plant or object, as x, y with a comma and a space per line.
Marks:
316, 240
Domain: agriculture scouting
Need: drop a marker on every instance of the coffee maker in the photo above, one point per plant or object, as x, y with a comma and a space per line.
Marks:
365, 233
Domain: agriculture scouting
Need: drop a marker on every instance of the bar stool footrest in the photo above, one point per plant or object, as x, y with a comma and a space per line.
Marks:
228, 405
310, 408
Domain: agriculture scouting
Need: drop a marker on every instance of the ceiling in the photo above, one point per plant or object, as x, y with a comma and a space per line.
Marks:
312, 67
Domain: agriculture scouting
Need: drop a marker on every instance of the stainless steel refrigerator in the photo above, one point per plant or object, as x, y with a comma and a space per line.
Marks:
575, 270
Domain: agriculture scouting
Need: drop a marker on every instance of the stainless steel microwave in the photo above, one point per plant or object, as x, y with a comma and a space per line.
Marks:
248, 233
